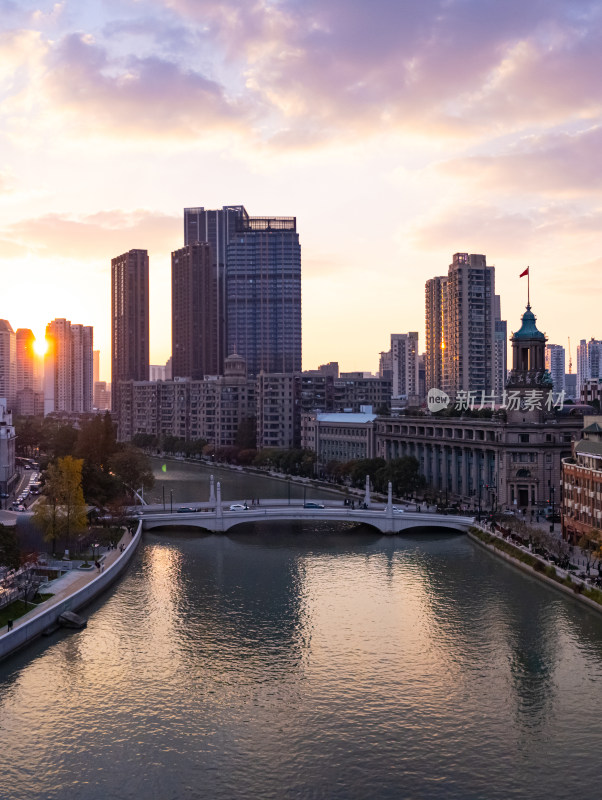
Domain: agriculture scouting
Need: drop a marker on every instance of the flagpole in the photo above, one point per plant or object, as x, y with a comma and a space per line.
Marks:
528, 286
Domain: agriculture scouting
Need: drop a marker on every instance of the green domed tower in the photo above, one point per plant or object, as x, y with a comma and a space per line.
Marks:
528, 374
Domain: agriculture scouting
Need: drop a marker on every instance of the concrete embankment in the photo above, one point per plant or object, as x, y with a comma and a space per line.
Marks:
527, 568
30, 627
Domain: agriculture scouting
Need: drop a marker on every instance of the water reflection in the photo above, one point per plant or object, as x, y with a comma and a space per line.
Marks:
285, 662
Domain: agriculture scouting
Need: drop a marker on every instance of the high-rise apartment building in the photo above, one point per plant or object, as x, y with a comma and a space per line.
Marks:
29, 400
435, 295
555, 361
469, 362
68, 367
129, 320
8, 363
500, 349
263, 294
405, 367
96, 366
217, 227
589, 361
194, 312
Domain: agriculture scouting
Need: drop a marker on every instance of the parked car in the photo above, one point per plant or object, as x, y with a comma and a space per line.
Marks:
313, 504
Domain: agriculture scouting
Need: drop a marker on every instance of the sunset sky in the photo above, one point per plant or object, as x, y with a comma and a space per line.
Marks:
398, 132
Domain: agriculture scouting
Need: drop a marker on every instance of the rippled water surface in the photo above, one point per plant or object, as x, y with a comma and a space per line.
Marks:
282, 662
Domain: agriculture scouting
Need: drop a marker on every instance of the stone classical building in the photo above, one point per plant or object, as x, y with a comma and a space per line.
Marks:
581, 504
511, 459
338, 437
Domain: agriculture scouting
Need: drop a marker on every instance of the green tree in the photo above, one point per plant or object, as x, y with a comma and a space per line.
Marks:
132, 468
9, 547
46, 513
62, 510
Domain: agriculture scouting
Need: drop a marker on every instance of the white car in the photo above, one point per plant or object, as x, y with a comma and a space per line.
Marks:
238, 507
398, 510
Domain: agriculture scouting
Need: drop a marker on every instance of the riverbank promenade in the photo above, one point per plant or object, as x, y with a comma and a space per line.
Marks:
70, 592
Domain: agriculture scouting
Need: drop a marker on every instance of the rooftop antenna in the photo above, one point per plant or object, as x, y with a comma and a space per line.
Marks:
570, 358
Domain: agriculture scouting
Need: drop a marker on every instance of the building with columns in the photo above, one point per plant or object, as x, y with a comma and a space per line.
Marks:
512, 458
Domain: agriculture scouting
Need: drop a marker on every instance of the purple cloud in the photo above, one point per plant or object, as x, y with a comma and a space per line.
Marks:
100, 236
144, 96
558, 163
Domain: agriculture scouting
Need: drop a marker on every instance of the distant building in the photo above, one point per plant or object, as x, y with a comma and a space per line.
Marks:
29, 400
96, 366
156, 372
217, 228
570, 386
555, 365
8, 473
355, 389
582, 483
263, 294
435, 322
68, 367
129, 320
8, 363
591, 392
469, 314
332, 369
589, 361
385, 366
339, 436
194, 309
212, 409
500, 349
102, 396
316, 392
405, 368
278, 412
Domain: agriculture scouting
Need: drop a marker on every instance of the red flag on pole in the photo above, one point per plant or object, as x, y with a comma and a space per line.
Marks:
526, 272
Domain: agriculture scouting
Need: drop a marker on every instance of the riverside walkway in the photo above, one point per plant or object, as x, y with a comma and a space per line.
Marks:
70, 592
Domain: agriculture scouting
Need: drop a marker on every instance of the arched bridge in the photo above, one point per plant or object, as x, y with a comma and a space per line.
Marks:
221, 519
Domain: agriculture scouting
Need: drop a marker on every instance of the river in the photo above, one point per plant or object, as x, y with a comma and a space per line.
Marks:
287, 661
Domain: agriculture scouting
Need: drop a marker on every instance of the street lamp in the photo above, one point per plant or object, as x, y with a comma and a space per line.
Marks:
171, 501
552, 503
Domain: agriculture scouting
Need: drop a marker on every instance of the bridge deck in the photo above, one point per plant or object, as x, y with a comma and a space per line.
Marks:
220, 518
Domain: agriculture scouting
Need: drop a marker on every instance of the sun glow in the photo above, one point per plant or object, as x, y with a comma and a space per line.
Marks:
40, 346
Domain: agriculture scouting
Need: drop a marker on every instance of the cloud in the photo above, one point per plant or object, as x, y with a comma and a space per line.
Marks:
100, 236
556, 163
146, 97
484, 228
437, 66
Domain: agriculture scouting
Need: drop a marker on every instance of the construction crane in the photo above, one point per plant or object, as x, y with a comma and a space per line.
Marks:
570, 359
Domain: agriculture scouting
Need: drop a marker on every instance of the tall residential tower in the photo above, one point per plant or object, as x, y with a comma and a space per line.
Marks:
129, 320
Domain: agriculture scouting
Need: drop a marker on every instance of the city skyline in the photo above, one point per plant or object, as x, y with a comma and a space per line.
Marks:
397, 136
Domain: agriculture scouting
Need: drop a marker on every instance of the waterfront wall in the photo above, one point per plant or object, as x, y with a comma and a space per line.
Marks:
47, 617
568, 590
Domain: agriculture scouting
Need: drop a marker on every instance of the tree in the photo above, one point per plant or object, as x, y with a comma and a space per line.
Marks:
9, 547
62, 510
46, 513
133, 468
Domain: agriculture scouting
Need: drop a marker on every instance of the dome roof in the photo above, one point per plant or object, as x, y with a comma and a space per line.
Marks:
528, 330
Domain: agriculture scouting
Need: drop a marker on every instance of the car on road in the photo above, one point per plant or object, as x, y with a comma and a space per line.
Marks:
186, 510
398, 510
238, 507
21, 508
313, 504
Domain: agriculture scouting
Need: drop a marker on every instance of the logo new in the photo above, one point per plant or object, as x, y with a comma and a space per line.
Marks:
437, 400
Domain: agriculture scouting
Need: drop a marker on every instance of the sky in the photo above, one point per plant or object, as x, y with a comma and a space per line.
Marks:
398, 132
